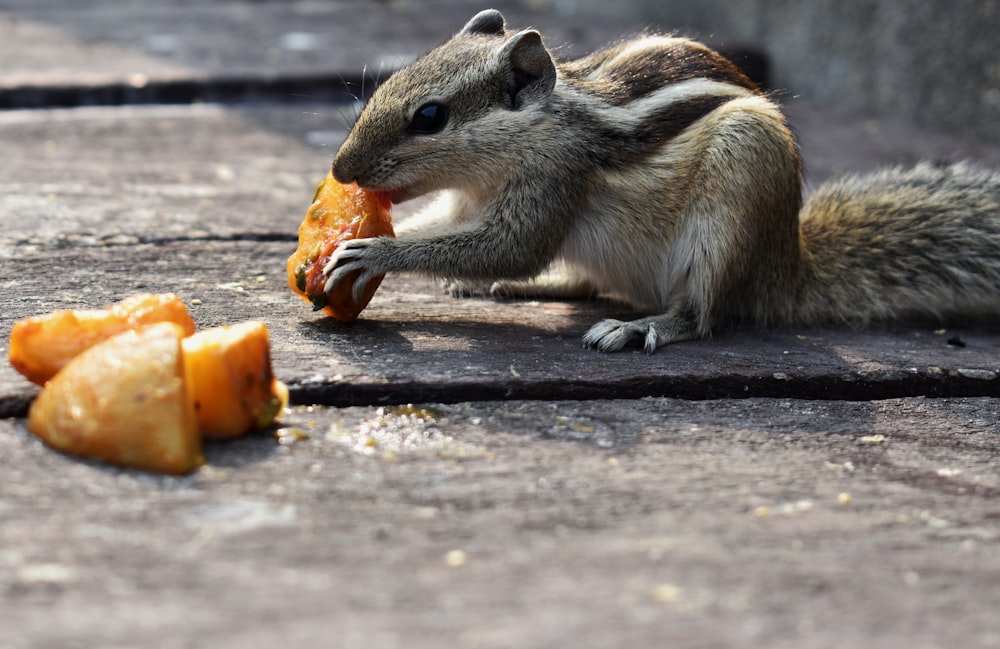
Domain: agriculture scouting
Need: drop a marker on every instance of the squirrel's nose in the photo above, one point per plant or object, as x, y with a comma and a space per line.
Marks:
343, 170
348, 166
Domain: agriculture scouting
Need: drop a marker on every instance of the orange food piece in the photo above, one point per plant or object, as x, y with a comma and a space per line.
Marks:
140, 395
230, 380
124, 400
41, 345
338, 213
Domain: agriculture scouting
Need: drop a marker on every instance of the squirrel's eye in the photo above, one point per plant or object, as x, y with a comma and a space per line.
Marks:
429, 118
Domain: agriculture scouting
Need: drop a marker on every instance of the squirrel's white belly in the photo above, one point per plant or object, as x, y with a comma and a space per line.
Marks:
622, 251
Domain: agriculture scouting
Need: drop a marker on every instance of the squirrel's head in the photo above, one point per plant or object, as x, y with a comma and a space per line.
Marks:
452, 118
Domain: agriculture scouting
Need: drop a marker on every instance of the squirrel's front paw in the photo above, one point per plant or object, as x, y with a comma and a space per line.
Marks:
350, 256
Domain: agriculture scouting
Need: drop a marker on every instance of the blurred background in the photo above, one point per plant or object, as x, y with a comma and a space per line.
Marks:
934, 62
931, 62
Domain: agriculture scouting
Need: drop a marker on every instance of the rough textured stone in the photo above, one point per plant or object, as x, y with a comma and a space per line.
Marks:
751, 523
516, 504
143, 51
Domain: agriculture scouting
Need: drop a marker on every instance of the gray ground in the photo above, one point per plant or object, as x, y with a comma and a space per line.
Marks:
792, 488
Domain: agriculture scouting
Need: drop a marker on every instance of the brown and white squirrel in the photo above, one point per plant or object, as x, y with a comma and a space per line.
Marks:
655, 171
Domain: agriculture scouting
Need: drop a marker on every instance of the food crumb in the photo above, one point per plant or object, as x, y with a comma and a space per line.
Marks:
799, 506
844, 498
291, 435
667, 593
455, 558
872, 439
46, 573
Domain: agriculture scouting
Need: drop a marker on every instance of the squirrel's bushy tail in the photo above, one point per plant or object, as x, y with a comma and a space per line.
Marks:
921, 242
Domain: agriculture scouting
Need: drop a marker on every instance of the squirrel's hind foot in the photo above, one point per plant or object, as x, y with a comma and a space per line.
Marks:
655, 331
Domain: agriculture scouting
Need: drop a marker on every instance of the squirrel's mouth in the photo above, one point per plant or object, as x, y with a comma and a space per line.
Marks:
399, 195
391, 196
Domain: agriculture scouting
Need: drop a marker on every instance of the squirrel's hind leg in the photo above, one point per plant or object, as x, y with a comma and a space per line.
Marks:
557, 283
612, 335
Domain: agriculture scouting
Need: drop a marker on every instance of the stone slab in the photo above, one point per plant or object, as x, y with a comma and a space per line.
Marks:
415, 344
131, 174
656, 522
60, 52
526, 509
97, 203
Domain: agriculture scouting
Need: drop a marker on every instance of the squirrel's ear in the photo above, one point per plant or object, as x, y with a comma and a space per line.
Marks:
532, 72
488, 22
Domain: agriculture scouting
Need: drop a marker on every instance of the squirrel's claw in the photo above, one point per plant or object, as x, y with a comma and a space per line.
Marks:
339, 273
347, 250
346, 259
611, 335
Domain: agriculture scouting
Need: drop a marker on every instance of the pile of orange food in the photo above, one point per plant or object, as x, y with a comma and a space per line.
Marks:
338, 213
135, 385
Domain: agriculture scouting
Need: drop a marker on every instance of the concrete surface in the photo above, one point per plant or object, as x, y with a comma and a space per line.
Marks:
648, 523
794, 488
108, 51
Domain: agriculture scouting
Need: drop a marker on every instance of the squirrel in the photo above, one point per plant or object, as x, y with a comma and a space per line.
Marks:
655, 171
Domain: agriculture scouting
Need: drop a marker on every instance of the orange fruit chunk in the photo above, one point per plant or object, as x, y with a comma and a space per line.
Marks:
338, 213
41, 345
125, 401
230, 379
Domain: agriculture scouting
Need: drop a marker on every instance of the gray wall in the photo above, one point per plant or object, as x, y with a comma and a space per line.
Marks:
933, 62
